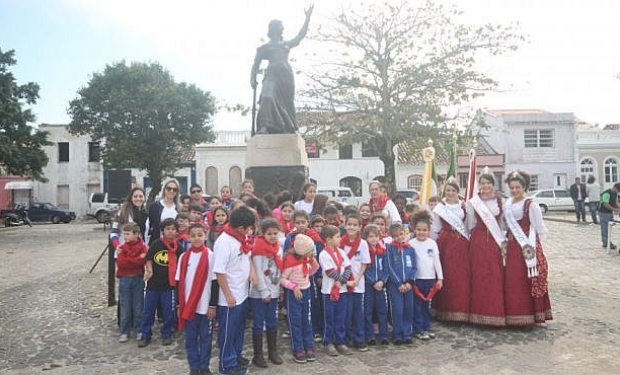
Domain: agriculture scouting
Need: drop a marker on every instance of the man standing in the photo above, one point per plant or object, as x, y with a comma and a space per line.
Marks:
609, 204
578, 193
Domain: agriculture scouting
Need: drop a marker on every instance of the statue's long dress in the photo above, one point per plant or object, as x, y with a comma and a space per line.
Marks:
487, 270
452, 303
526, 299
276, 114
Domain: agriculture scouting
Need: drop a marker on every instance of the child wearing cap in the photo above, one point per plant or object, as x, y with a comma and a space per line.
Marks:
299, 265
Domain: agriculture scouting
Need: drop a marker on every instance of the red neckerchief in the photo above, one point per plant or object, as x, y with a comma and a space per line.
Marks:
218, 229
172, 246
431, 293
246, 244
400, 246
379, 250
404, 217
187, 309
183, 236
334, 294
376, 207
208, 217
337, 223
287, 226
354, 245
314, 236
293, 260
266, 249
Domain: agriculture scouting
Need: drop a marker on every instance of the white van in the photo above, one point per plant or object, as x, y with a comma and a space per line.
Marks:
340, 194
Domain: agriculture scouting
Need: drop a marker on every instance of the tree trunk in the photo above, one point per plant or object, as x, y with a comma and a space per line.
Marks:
389, 172
156, 180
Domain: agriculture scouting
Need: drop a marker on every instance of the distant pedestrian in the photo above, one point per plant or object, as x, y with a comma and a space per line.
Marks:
608, 204
578, 193
593, 190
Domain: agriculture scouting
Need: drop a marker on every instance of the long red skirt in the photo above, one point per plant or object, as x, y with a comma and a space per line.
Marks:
526, 304
487, 280
451, 304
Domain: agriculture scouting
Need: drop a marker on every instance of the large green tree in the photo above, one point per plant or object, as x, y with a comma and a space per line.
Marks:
394, 69
143, 117
21, 146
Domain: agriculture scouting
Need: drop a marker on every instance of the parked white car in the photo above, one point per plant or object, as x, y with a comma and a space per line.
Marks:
553, 200
340, 194
412, 195
101, 208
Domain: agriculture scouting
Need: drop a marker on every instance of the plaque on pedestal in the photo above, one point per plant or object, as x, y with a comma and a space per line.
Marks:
276, 162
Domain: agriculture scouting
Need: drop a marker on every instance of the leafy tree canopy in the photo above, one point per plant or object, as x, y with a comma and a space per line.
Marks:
145, 119
21, 146
394, 69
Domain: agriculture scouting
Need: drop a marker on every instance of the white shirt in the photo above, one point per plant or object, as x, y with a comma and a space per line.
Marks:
427, 259
455, 209
229, 260
471, 212
268, 276
304, 206
327, 263
536, 219
192, 264
166, 213
393, 215
361, 257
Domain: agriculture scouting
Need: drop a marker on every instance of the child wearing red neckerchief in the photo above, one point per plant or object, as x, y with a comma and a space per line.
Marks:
336, 272
216, 226
161, 267
380, 221
299, 266
286, 218
234, 271
375, 295
182, 236
130, 260
365, 214
268, 263
357, 251
198, 296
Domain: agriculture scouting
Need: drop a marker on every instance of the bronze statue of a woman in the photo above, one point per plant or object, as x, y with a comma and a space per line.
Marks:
276, 114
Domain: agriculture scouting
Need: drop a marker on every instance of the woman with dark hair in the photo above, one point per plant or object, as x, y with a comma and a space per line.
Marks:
525, 286
259, 206
306, 198
162, 209
487, 249
318, 207
450, 231
593, 190
277, 99
132, 211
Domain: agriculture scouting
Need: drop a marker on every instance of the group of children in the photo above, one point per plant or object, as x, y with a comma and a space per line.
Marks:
335, 276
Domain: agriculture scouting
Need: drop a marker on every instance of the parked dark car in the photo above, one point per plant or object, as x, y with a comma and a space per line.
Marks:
42, 211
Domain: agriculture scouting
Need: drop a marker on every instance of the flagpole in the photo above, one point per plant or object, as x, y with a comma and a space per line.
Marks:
428, 153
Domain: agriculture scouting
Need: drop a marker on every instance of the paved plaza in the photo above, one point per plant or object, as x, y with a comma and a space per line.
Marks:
54, 317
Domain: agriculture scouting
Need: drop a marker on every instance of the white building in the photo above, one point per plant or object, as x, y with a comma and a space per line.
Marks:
538, 142
599, 156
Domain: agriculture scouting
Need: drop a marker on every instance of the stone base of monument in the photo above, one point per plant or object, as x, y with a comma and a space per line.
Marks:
276, 162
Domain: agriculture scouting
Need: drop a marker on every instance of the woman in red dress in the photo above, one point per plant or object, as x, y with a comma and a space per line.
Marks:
525, 286
452, 236
484, 213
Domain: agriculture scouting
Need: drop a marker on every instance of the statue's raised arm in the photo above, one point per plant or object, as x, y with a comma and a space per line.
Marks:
304, 29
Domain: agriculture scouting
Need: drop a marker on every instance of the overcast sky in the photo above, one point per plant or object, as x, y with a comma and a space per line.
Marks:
569, 64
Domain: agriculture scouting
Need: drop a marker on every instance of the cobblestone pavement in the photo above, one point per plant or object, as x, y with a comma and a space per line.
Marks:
54, 317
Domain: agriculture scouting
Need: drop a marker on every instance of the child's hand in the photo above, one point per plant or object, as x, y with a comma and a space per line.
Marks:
378, 286
231, 301
337, 284
297, 293
148, 274
143, 255
267, 299
253, 278
439, 284
351, 283
119, 249
402, 288
211, 313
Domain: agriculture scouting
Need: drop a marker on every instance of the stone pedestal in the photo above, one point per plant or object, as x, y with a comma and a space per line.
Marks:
276, 162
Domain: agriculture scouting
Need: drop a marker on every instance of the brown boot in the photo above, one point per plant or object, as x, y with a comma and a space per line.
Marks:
258, 360
272, 347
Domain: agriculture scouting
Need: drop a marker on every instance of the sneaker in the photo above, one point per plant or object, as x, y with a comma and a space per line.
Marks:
236, 371
398, 342
318, 338
167, 341
331, 351
194, 372
143, 343
243, 361
372, 342
310, 356
422, 336
408, 342
385, 342
361, 347
300, 357
286, 334
138, 336
123, 338
431, 334
344, 350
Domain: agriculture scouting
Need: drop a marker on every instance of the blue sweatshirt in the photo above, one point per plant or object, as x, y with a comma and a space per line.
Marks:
401, 265
377, 271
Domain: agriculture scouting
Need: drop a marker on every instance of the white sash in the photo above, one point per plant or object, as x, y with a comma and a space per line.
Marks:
527, 243
489, 221
445, 213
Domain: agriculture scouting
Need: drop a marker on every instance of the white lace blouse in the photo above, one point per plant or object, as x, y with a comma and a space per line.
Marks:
536, 219
455, 209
